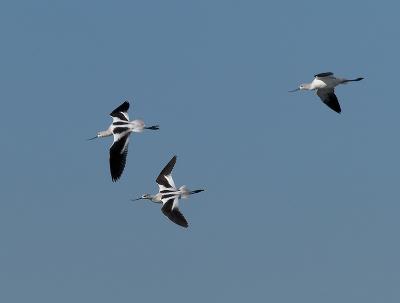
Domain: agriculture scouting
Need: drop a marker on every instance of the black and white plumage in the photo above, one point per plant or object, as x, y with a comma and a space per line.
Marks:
324, 84
164, 179
121, 112
118, 154
320, 75
120, 129
168, 195
327, 95
171, 210
121, 133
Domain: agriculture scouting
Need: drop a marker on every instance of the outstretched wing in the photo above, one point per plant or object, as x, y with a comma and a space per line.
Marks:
321, 75
164, 179
118, 154
171, 210
328, 96
121, 112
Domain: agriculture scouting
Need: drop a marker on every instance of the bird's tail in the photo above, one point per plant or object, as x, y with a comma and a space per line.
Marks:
352, 80
185, 192
154, 127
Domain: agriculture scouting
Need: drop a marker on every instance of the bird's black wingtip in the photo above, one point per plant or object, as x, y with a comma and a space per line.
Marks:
326, 74
115, 178
124, 107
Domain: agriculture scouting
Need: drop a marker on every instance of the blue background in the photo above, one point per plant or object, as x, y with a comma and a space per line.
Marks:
302, 204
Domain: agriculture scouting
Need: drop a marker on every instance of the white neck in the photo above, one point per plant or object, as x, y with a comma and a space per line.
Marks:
308, 86
105, 133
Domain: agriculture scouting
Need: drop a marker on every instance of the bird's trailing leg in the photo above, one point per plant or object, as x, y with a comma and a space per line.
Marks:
353, 80
154, 127
196, 191
185, 192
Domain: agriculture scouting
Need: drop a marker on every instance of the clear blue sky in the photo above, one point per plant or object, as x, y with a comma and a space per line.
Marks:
302, 204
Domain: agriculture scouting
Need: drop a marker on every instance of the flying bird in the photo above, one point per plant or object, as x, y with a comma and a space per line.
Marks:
168, 195
121, 128
325, 84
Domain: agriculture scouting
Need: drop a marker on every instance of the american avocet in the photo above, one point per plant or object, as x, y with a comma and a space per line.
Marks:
121, 128
169, 195
325, 84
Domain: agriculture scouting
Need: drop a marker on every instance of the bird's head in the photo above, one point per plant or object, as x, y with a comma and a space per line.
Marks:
301, 87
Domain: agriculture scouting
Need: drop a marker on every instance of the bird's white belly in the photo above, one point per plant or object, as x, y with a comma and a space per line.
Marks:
317, 84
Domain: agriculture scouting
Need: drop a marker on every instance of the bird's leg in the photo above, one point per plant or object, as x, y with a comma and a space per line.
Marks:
154, 127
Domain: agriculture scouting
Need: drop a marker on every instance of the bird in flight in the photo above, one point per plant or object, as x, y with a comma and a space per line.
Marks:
121, 128
168, 195
325, 84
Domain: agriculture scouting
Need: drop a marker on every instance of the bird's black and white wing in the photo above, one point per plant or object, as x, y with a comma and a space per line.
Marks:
121, 112
328, 96
119, 152
322, 75
171, 210
164, 179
